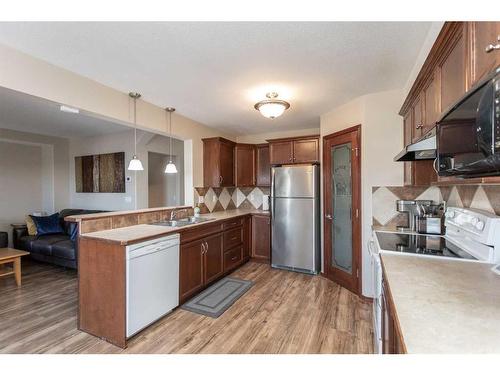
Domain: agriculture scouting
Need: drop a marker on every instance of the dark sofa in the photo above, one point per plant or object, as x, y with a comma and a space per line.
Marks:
59, 249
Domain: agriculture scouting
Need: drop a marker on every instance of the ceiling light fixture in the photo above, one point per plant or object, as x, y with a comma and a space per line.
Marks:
135, 164
171, 168
272, 107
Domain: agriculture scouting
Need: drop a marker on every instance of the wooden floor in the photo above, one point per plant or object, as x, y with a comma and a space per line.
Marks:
284, 312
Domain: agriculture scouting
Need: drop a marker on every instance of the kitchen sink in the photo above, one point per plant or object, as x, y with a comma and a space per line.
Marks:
182, 222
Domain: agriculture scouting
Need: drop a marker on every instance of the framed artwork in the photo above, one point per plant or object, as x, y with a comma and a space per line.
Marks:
103, 173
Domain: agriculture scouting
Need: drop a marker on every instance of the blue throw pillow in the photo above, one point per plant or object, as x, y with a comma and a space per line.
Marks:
47, 224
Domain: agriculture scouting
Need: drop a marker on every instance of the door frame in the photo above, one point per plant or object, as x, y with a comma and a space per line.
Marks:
356, 221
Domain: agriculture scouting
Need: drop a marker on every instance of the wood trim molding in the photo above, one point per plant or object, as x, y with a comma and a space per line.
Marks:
435, 56
301, 138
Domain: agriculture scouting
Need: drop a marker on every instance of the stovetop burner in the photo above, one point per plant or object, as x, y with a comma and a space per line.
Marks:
420, 244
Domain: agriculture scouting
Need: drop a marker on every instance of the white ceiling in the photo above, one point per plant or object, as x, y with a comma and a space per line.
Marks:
29, 114
215, 72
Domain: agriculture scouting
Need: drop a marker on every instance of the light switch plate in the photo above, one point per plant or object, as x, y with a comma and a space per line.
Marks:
201, 199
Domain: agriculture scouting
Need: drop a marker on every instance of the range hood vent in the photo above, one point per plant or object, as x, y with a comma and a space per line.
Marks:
423, 149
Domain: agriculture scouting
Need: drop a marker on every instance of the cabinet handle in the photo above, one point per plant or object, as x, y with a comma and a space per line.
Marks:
206, 247
419, 126
492, 47
220, 179
202, 248
234, 258
233, 238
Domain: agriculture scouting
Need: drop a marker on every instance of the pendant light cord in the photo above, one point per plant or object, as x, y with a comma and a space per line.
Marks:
135, 126
170, 147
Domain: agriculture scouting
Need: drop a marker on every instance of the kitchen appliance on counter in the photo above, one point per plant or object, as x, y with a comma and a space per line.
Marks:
295, 230
152, 281
471, 236
418, 211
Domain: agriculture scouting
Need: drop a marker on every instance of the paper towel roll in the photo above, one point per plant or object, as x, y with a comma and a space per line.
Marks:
265, 202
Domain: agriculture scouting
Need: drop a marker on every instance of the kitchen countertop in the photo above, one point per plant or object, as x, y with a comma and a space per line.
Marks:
142, 232
444, 306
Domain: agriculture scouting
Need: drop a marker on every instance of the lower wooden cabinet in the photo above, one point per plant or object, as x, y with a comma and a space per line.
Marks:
213, 265
391, 336
211, 251
261, 237
191, 269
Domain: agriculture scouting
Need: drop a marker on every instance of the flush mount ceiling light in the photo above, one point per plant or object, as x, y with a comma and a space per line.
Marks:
135, 164
272, 107
171, 168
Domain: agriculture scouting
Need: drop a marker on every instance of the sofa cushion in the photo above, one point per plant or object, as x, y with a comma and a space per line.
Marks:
25, 242
47, 224
64, 249
43, 244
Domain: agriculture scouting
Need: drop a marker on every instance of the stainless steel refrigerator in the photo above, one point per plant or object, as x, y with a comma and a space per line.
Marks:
295, 210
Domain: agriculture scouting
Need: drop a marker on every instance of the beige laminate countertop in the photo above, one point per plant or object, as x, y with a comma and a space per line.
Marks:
141, 232
444, 306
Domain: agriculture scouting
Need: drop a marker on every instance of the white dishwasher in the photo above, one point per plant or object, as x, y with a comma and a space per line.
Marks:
152, 281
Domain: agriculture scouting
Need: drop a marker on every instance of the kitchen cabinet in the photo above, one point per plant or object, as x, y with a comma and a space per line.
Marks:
191, 265
452, 68
247, 237
209, 252
392, 342
294, 150
263, 166
218, 162
432, 103
281, 152
244, 164
417, 119
485, 48
261, 237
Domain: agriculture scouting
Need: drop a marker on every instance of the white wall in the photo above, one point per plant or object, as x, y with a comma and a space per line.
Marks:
121, 142
381, 139
33, 175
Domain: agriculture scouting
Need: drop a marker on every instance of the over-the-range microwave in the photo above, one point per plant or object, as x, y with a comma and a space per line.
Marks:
468, 134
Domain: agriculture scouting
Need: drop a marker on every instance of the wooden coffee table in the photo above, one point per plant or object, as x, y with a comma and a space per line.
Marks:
8, 255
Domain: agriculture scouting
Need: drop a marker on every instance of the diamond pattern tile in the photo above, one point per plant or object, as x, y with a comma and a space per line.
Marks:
255, 197
384, 205
210, 199
481, 202
224, 198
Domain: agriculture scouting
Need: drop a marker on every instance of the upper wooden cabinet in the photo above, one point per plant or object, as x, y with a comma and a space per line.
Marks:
244, 164
263, 166
483, 58
294, 150
457, 60
218, 163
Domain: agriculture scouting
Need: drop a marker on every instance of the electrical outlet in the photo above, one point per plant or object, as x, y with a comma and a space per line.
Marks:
201, 199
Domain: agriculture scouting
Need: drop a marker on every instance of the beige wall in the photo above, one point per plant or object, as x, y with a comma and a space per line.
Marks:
34, 176
21, 72
262, 137
381, 139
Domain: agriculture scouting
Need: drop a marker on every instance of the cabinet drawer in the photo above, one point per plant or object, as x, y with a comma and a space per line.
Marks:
232, 223
233, 238
199, 232
232, 258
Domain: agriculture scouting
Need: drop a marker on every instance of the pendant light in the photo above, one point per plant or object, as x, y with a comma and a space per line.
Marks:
272, 107
171, 168
135, 164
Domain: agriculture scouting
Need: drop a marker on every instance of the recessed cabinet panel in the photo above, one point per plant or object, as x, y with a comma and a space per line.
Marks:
306, 151
263, 165
281, 152
484, 35
261, 237
244, 157
453, 73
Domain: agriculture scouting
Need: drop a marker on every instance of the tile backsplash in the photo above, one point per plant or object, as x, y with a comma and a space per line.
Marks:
220, 199
482, 197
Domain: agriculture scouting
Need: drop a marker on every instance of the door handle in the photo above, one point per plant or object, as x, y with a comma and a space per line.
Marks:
329, 217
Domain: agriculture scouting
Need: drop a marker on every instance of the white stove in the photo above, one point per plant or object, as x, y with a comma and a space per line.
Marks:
471, 235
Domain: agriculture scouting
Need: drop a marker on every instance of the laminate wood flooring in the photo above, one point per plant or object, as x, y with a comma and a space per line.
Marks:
284, 312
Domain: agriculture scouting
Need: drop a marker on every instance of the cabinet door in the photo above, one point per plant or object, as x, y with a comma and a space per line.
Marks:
306, 151
281, 152
453, 72
213, 258
417, 121
211, 169
247, 239
226, 164
408, 127
432, 106
483, 34
190, 269
263, 166
244, 165
261, 237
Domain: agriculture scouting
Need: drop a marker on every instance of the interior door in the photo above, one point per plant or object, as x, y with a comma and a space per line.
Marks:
342, 208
